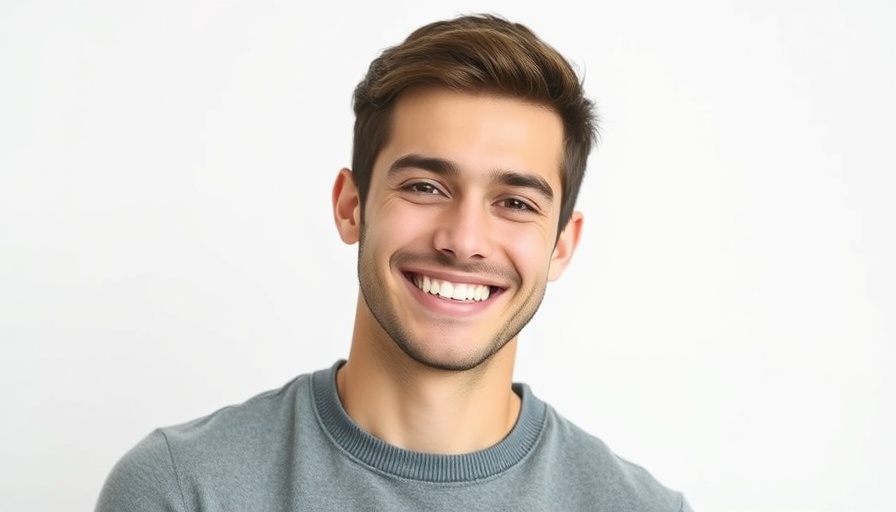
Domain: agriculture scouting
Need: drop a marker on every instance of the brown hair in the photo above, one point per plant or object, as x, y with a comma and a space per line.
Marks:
477, 53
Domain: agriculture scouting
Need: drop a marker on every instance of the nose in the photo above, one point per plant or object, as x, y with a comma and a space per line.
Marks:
465, 232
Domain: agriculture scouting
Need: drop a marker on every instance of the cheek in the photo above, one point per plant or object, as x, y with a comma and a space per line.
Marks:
397, 224
528, 247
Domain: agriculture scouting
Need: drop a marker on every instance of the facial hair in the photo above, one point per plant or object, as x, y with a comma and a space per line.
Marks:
383, 308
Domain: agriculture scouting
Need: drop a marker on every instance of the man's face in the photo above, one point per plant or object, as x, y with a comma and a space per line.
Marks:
460, 222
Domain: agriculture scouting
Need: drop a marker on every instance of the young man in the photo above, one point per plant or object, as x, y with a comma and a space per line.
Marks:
471, 139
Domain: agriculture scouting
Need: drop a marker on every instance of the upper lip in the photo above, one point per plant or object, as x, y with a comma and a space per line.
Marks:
455, 277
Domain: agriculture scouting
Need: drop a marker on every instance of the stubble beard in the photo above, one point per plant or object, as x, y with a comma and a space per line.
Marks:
378, 302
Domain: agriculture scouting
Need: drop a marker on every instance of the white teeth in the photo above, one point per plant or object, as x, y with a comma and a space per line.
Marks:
446, 289
449, 290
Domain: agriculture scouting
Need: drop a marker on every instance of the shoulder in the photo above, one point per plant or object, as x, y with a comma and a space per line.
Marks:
144, 479
261, 416
588, 462
240, 434
167, 468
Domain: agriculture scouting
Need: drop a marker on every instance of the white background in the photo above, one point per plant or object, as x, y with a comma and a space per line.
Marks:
167, 248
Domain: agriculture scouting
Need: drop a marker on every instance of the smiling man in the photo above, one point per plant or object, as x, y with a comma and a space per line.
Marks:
471, 139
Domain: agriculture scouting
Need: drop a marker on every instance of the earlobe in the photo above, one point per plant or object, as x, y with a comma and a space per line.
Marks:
566, 246
347, 207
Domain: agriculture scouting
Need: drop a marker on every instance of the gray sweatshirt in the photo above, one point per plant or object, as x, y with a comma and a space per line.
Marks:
295, 448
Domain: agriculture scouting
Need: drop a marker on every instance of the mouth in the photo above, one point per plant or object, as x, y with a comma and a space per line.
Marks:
448, 290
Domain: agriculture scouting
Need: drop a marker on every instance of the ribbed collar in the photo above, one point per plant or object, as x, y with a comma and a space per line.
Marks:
424, 466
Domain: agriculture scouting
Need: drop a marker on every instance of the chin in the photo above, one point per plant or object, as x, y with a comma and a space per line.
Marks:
453, 361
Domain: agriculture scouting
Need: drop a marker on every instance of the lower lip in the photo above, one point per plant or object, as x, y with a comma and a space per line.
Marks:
448, 306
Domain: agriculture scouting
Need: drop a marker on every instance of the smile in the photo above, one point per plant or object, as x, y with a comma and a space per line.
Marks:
449, 290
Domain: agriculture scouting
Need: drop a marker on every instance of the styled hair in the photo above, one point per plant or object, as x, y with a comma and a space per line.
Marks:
477, 54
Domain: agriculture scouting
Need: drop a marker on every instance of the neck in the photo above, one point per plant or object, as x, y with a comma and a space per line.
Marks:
422, 409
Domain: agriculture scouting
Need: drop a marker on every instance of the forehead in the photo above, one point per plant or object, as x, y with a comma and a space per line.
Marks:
478, 132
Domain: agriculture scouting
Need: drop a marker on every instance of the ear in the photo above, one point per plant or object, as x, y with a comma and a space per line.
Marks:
347, 207
566, 246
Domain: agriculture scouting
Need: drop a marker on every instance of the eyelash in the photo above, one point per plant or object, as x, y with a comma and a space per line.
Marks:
521, 205
417, 185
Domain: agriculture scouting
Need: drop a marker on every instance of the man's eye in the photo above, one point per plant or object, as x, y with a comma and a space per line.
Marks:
516, 204
423, 188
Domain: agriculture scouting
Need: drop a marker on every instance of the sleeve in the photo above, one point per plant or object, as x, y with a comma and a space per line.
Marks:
144, 480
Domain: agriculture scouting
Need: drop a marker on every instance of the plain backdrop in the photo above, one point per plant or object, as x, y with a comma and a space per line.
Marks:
167, 245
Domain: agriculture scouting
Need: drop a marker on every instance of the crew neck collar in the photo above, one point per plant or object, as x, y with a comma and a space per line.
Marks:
369, 450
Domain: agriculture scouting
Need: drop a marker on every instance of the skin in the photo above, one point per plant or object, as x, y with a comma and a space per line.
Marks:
466, 190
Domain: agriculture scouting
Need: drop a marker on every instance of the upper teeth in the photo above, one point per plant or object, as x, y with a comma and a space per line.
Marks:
449, 290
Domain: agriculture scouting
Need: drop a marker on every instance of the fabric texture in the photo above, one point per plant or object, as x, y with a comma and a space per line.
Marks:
295, 449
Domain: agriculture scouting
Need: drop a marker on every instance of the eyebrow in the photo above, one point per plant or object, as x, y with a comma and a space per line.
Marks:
445, 167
